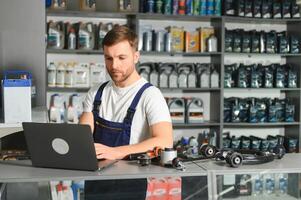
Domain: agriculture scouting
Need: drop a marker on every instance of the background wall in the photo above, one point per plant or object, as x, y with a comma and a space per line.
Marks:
22, 40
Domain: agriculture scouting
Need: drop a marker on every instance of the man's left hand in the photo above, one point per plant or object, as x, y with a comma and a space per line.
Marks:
106, 152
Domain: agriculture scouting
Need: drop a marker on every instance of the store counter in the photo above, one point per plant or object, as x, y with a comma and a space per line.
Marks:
23, 171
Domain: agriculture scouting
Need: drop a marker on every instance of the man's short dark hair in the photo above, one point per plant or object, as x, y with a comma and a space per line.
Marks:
121, 33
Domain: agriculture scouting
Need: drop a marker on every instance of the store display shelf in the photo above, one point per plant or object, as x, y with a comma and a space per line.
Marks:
75, 51
234, 19
190, 89
65, 89
87, 14
258, 125
155, 53
264, 54
154, 16
261, 89
205, 124
264, 197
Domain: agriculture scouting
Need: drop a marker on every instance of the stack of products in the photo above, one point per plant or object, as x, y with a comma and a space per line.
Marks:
265, 185
241, 41
176, 39
261, 8
180, 75
186, 110
76, 75
258, 76
258, 143
65, 108
62, 4
181, 7
255, 110
84, 36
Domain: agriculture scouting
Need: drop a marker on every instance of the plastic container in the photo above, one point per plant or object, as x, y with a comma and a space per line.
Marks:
59, 4
177, 110
195, 111
60, 75
87, 5
69, 75
51, 75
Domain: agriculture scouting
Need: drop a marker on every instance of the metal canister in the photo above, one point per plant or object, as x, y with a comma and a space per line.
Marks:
159, 45
147, 41
189, 7
159, 6
167, 41
175, 7
212, 44
196, 7
167, 9
150, 6
181, 8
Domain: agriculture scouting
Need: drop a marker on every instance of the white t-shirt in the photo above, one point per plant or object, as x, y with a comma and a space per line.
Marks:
115, 101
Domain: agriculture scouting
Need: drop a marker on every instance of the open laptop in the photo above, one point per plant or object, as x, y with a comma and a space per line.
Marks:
65, 146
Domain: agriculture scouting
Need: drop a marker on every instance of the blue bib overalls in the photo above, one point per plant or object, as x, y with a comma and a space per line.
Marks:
115, 134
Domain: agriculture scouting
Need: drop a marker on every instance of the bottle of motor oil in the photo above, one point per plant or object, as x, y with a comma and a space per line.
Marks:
57, 110
154, 75
102, 31
75, 108
183, 72
167, 7
177, 110
86, 38
205, 78
56, 37
51, 72
59, 4
71, 39
163, 76
69, 75
195, 111
292, 77
144, 70
191, 77
88, 5
173, 75
214, 79
60, 75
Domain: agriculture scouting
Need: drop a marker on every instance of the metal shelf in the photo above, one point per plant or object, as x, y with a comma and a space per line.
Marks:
87, 14
190, 89
75, 51
258, 125
264, 54
262, 89
195, 126
235, 19
155, 53
65, 89
153, 16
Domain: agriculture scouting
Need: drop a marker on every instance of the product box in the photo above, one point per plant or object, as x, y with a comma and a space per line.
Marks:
192, 41
177, 39
205, 33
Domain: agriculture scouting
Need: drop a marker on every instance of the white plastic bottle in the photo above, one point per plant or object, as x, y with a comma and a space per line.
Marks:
60, 75
51, 74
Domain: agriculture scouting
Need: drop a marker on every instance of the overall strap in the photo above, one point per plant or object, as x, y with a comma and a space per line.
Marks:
131, 110
97, 99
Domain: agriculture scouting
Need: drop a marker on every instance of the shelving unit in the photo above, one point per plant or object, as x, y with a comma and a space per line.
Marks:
216, 95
